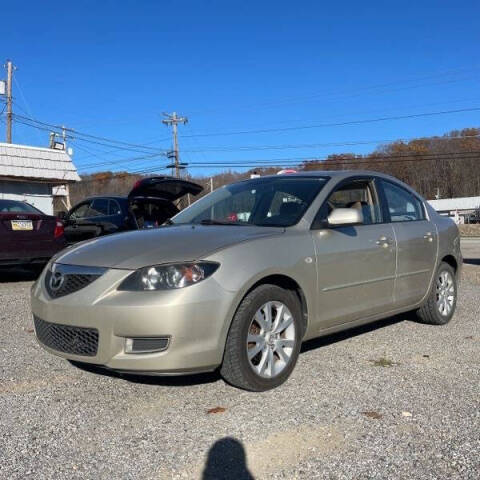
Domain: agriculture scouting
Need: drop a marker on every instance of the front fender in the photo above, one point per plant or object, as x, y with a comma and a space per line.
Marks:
244, 265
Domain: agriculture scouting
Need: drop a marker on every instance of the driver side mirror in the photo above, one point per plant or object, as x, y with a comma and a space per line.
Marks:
345, 216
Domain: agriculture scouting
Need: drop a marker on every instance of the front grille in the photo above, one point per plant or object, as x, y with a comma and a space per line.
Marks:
67, 338
63, 280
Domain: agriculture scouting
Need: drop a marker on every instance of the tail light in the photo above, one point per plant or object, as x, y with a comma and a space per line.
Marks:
59, 229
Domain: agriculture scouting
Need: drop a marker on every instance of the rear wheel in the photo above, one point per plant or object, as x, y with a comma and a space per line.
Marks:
440, 305
264, 339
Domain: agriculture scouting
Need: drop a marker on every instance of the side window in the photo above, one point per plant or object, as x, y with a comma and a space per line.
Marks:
402, 205
99, 208
357, 194
114, 208
80, 212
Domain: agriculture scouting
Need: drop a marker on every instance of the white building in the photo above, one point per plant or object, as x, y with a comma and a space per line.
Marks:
462, 209
39, 176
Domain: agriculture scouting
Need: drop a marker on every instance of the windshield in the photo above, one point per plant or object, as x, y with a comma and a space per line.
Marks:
11, 206
269, 201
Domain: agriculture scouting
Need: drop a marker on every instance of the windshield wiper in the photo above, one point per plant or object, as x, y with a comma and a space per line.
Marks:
276, 225
210, 221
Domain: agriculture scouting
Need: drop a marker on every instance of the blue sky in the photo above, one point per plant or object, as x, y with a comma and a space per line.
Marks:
110, 68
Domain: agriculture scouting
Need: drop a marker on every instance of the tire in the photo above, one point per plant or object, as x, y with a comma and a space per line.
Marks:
269, 367
431, 311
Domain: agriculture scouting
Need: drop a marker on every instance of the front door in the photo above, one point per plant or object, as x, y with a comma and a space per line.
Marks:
73, 221
355, 264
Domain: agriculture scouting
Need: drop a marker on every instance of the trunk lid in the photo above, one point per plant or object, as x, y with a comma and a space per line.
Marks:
167, 188
42, 225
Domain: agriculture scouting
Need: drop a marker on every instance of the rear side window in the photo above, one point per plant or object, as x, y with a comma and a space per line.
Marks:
402, 205
99, 208
114, 208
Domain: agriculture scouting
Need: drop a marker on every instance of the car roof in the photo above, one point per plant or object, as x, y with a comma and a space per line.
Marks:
330, 174
339, 175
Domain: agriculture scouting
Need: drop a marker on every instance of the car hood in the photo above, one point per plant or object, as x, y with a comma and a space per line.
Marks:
175, 243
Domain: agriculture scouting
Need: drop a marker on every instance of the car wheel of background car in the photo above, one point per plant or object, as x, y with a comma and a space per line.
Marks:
440, 305
264, 339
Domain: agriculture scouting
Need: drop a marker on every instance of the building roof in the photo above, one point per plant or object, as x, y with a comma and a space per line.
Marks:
451, 204
36, 163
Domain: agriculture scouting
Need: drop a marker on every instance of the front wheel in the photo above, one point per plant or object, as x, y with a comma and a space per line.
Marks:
441, 302
264, 340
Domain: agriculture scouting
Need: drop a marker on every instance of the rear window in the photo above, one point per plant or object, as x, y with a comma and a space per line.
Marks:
14, 206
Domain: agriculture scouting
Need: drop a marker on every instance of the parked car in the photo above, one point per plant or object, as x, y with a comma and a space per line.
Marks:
27, 236
473, 217
149, 204
314, 253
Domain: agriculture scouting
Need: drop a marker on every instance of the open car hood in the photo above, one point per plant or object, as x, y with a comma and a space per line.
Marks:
167, 188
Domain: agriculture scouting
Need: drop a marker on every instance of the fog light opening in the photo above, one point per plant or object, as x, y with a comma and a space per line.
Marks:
146, 344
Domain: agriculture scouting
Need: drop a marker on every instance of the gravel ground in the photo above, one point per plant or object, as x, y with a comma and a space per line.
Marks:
396, 400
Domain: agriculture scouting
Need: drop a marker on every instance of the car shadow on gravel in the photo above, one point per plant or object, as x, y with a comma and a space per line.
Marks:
212, 377
13, 275
354, 332
160, 380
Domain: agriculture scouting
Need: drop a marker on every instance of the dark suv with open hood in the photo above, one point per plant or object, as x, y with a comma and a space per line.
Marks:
148, 205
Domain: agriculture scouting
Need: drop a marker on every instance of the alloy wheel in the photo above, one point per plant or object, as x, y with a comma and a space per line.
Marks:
271, 339
445, 293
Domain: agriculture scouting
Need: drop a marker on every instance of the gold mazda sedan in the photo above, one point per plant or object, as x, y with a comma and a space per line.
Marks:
242, 277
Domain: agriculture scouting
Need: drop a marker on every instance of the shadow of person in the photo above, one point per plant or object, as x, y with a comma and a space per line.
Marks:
226, 460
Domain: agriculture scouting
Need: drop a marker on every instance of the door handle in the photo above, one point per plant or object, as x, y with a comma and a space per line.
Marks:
428, 236
384, 241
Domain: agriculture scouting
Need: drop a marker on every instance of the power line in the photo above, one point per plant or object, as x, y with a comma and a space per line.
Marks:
326, 164
72, 137
316, 145
275, 147
372, 88
80, 135
338, 124
289, 161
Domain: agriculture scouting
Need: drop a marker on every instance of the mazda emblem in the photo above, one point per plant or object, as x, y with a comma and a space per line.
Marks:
56, 281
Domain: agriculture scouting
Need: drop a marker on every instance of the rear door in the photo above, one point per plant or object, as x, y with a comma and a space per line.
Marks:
416, 238
355, 263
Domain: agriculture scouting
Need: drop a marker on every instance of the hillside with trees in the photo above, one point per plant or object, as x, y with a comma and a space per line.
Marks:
449, 164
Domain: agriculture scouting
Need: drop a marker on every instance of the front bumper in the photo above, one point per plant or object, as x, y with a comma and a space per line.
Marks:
195, 318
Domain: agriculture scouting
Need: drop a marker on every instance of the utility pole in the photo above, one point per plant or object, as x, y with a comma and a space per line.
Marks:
9, 67
173, 120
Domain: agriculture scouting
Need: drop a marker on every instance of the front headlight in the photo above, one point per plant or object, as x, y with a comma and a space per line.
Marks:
168, 277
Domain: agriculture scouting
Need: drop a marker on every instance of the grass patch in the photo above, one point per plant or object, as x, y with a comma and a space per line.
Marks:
383, 362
